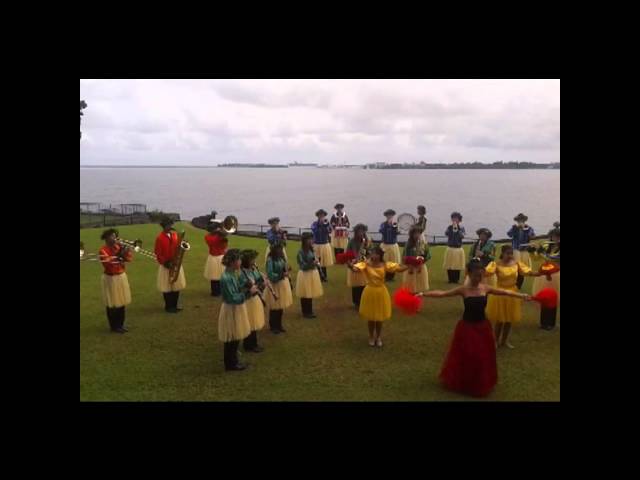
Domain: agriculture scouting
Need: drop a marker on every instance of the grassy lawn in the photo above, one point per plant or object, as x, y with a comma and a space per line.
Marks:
178, 357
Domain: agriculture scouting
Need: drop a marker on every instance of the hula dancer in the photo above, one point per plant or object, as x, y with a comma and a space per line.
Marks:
470, 365
276, 234
415, 256
321, 229
340, 224
503, 311
308, 285
359, 245
278, 274
249, 277
422, 222
484, 250
115, 284
521, 234
217, 241
389, 231
454, 261
551, 253
375, 306
233, 321
166, 246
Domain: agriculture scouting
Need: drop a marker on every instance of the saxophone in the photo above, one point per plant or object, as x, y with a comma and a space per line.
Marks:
176, 262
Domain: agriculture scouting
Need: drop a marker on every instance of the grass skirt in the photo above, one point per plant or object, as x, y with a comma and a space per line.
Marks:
115, 290
339, 242
255, 312
308, 284
454, 259
391, 252
213, 269
283, 291
416, 281
470, 365
163, 280
375, 304
233, 322
324, 253
523, 257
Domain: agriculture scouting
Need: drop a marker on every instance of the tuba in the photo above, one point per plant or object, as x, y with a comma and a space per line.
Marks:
230, 224
183, 246
405, 222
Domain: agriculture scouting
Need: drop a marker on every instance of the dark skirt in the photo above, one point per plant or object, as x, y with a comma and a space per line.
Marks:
470, 366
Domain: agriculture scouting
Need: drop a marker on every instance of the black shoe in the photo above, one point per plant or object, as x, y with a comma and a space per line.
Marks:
119, 330
124, 328
238, 366
275, 332
282, 330
171, 310
309, 315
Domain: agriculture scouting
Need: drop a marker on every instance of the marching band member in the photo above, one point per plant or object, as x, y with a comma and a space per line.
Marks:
358, 245
166, 246
454, 261
276, 234
422, 222
321, 229
484, 250
389, 245
308, 284
278, 273
250, 276
115, 284
503, 311
415, 256
340, 224
521, 234
470, 366
233, 320
375, 306
217, 241
551, 253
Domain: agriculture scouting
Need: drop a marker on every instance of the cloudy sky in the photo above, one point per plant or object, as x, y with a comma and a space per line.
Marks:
206, 122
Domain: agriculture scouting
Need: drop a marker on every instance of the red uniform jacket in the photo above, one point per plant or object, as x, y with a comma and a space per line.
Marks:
106, 257
166, 245
217, 244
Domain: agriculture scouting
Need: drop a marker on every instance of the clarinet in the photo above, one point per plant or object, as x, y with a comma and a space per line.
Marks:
267, 282
251, 283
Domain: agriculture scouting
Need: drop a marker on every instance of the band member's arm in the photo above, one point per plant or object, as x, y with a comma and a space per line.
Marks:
392, 267
490, 269
512, 231
441, 293
314, 228
358, 267
159, 251
232, 294
448, 231
524, 270
346, 222
334, 220
383, 228
462, 232
508, 293
271, 236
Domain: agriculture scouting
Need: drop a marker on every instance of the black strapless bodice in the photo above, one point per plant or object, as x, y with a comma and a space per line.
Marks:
474, 309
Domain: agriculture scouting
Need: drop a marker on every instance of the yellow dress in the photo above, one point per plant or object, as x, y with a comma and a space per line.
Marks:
502, 309
375, 305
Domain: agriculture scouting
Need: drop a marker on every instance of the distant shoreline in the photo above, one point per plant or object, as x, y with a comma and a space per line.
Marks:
350, 167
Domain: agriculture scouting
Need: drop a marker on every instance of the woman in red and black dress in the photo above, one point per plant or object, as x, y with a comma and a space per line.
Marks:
115, 284
470, 365
217, 241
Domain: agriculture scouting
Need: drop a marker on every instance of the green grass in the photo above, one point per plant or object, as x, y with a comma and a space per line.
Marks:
178, 357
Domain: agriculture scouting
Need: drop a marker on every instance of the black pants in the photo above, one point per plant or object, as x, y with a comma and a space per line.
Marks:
356, 295
231, 354
275, 320
215, 288
170, 300
115, 317
454, 276
548, 317
324, 277
251, 342
520, 281
307, 306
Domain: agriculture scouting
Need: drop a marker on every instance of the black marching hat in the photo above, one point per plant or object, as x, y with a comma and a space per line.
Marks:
457, 215
166, 221
273, 220
321, 212
338, 205
521, 217
389, 211
555, 230
422, 208
486, 231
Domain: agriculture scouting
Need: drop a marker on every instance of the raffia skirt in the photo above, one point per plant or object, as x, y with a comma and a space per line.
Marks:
502, 309
283, 291
115, 290
416, 281
541, 282
391, 252
233, 322
523, 257
356, 279
339, 242
308, 284
266, 255
213, 269
164, 285
454, 259
324, 252
375, 304
255, 311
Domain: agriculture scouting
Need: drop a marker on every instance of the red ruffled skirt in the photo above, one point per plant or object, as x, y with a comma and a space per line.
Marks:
470, 366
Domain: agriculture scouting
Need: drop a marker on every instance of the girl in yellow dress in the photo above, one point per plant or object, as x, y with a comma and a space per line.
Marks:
375, 305
502, 311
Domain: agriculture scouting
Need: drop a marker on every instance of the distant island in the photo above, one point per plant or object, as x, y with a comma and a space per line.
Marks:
296, 164
251, 165
466, 165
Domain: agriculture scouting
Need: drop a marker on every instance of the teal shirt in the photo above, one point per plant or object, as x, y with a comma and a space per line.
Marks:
247, 274
306, 260
275, 269
489, 250
231, 288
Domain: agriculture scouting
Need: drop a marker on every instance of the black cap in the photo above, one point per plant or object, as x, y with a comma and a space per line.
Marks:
486, 231
457, 215
521, 217
231, 256
273, 220
360, 226
338, 205
321, 212
422, 209
166, 221
389, 211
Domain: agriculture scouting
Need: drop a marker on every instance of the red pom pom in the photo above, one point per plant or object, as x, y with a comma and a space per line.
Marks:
346, 257
407, 301
547, 297
413, 261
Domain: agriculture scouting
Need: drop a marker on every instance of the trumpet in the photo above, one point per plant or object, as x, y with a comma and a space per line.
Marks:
135, 245
455, 227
